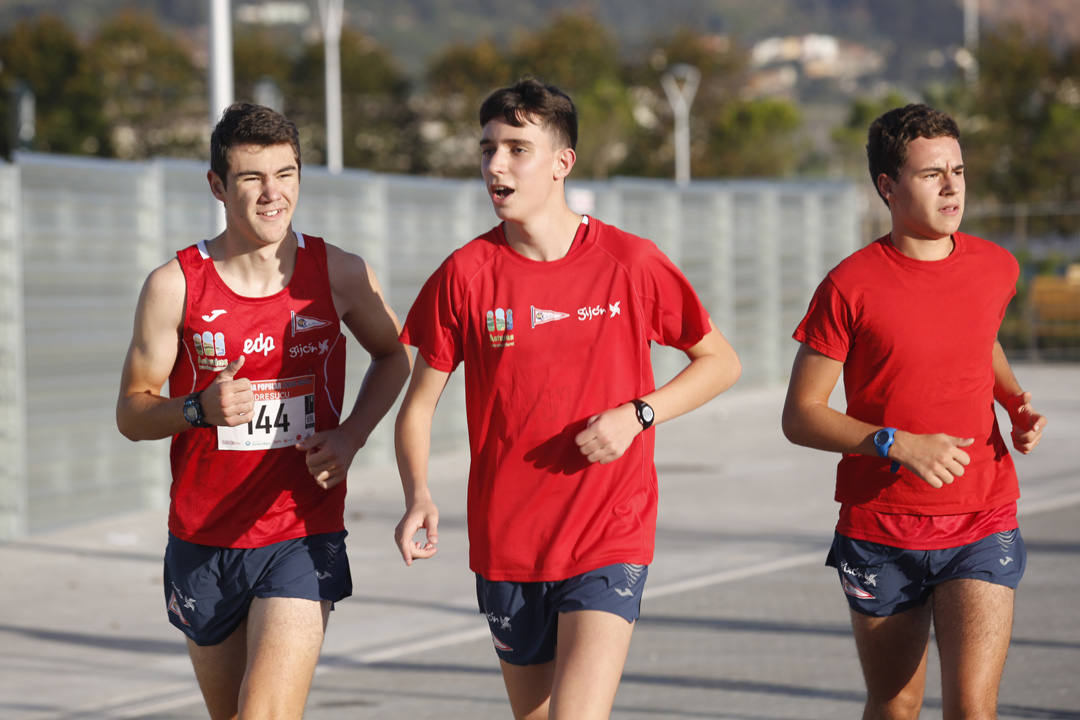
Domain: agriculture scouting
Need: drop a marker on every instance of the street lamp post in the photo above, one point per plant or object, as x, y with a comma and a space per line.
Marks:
330, 11
680, 84
221, 60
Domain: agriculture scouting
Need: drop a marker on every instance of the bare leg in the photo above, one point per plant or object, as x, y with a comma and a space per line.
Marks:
589, 660
973, 625
529, 689
283, 641
220, 672
892, 651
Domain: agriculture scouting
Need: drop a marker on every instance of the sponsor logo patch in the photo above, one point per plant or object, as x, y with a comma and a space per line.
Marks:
210, 350
500, 327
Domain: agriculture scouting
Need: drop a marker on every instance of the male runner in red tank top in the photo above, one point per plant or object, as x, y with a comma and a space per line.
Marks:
246, 329
927, 530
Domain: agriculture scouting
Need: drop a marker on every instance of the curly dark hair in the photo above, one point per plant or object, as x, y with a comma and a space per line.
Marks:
248, 124
530, 100
887, 141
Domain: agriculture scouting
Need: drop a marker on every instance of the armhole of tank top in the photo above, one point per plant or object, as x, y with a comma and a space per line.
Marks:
186, 309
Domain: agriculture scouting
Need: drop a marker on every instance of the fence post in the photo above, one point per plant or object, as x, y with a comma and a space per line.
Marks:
768, 264
13, 481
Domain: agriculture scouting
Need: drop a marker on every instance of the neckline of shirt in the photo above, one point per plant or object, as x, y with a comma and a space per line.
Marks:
224, 286
893, 253
582, 240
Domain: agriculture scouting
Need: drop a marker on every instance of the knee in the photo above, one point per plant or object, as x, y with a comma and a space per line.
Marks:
905, 705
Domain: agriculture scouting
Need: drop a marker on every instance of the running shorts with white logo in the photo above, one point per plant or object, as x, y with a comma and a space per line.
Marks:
524, 617
208, 590
881, 580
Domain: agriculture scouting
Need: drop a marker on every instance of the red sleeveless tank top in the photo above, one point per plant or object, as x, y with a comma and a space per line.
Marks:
249, 486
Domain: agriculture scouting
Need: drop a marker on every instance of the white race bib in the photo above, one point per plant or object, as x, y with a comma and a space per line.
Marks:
284, 414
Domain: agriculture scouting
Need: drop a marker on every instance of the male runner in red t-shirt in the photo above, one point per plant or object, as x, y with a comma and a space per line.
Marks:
552, 314
245, 328
927, 529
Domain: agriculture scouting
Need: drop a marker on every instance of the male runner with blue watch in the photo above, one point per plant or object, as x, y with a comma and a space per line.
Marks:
927, 532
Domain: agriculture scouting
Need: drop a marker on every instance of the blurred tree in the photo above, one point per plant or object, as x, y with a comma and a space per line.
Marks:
259, 56
849, 139
44, 56
753, 138
574, 52
1026, 111
730, 135
458, 79
380, 127
579, 54
155, 96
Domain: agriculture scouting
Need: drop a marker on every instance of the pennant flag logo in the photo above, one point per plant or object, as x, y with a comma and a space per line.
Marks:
302, 323
540, 317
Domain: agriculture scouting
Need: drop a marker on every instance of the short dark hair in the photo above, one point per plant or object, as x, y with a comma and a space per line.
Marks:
530, 100
890, 134
248, 124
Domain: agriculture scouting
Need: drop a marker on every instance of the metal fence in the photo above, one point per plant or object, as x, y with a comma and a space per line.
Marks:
78, 237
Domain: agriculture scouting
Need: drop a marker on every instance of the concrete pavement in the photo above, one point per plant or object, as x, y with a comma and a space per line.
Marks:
740, 619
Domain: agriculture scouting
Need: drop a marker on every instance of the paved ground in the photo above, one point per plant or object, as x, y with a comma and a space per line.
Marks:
741, 621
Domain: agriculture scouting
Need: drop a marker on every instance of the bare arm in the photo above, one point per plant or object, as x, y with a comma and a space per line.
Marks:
1027, 424
142, 412
808, 420
713, 368
364, 311
412, 442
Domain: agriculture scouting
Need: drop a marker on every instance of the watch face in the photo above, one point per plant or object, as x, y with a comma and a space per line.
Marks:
647, 413
191, 413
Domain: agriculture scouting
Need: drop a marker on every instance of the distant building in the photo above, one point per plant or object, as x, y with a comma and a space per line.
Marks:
780, 64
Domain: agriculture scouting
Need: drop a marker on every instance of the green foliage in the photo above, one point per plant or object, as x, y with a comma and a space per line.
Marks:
1025, 125
155, 96
379, 125
261, 56
849, 139
45, 57
753, 138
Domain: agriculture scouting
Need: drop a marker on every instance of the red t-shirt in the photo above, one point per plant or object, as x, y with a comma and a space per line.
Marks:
547, 345
916, 339
248, 486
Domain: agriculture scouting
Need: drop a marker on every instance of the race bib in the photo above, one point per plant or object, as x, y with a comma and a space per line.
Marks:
284, 414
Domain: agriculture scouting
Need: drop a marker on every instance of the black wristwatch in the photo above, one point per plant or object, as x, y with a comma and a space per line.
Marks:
645, 414
193, 411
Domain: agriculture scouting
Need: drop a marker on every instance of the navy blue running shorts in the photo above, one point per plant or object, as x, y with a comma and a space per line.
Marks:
208, 590
881, 580
524, 617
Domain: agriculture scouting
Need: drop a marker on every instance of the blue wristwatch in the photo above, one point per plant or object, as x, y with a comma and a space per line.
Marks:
883, 440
